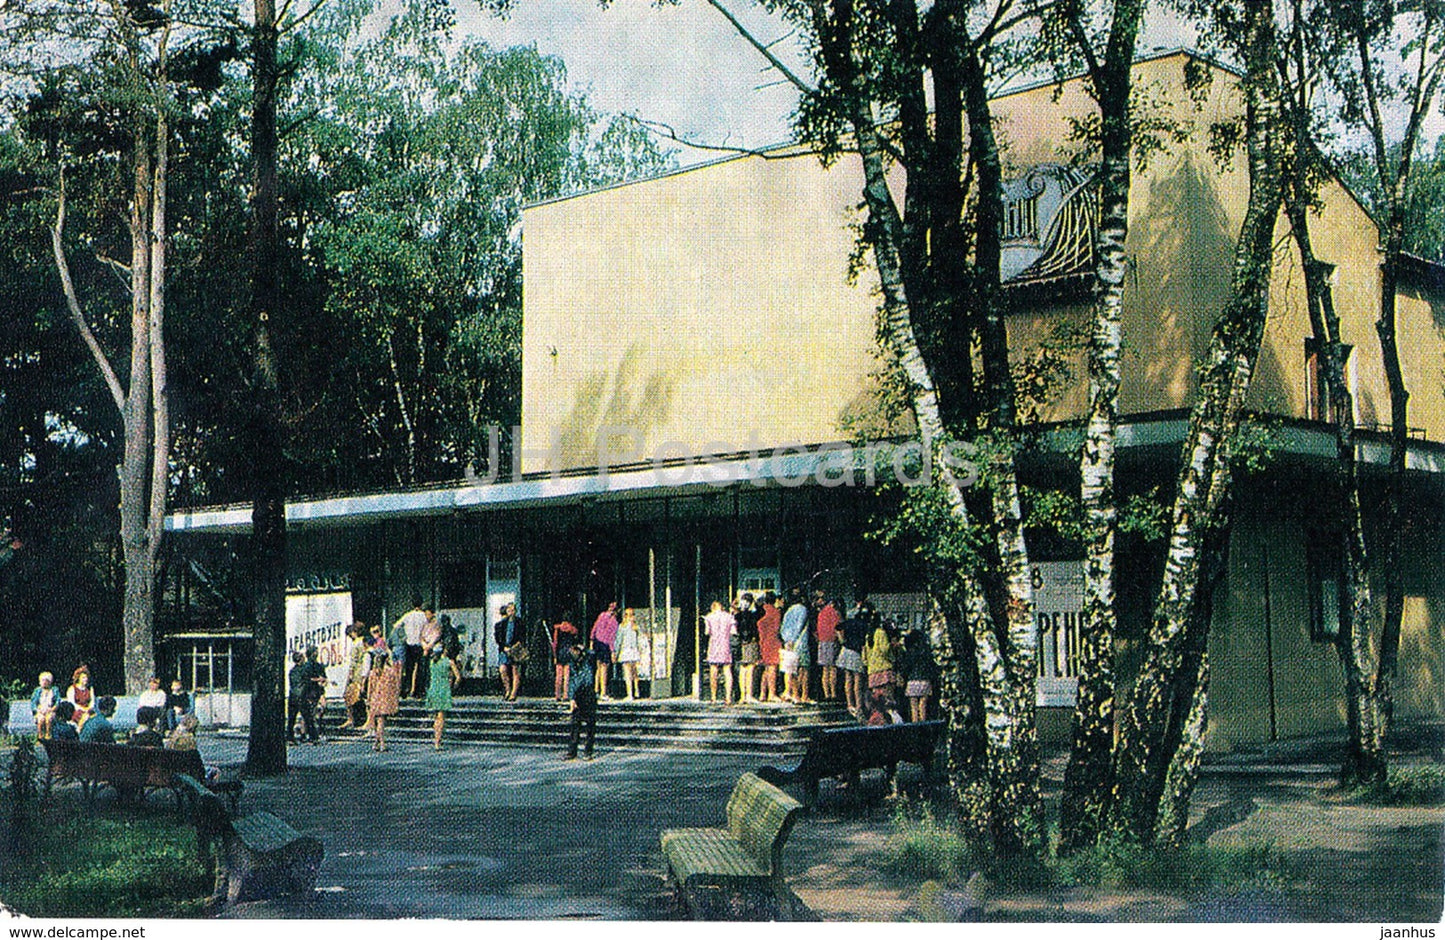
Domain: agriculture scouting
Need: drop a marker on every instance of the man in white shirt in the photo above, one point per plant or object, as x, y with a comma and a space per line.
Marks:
412, 622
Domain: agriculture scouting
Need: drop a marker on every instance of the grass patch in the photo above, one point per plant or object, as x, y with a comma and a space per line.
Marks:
1406, 786
1190, 869
67, 862
929, 846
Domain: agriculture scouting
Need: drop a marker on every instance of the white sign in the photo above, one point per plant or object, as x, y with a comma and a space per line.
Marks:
474, 632
1058, 600
320, 620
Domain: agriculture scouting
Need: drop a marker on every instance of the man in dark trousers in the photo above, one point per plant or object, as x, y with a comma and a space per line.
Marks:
307, 683
583, 700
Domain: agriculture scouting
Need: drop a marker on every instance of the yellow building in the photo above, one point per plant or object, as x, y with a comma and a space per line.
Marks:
691, 343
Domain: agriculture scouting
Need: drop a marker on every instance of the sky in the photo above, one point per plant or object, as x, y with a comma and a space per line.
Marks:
685, 66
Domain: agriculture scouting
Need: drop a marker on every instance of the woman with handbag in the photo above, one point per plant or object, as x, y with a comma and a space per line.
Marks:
355, 693
512, 651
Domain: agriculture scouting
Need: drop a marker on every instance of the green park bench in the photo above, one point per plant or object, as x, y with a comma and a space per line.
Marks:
747, 855
847, 751
259, 855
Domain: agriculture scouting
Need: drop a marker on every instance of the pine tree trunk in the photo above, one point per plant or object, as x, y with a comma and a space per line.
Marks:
267, 748
1088, 775
138, 614
1141, 758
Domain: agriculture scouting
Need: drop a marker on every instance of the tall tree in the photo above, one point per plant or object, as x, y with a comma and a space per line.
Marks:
1087, 777
130, 43
1366, 36
1305, 169
1160, 732
266, 753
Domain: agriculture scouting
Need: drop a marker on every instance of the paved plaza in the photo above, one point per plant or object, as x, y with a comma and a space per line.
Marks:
489, 832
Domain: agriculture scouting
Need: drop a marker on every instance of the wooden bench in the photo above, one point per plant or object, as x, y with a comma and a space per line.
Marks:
260, 855
130, 770
747, 854
837, 751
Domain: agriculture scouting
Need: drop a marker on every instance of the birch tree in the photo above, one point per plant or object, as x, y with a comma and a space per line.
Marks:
1161, 731
1362, 38
1109, 73
1305, 169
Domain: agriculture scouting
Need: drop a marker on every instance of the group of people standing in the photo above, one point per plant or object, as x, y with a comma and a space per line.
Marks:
418, 653
876, 661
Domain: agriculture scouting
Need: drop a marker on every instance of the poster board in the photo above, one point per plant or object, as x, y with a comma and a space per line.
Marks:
1058, 601
320, 620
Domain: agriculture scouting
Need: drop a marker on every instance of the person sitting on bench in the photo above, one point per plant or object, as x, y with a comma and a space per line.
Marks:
64, 727
147, 717
97, 728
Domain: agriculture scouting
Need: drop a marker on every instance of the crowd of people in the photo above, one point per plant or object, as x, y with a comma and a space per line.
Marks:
162, 719
418, 655
768, 652
775, 648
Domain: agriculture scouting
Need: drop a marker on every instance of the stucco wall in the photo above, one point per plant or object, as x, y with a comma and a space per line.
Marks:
1262, 622
711, 308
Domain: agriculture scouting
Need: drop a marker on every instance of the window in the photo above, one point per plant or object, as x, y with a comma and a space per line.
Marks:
1021, 219
1328, 610
1317, 394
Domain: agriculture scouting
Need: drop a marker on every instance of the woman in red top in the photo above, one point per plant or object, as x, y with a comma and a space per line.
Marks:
81, 695
828, 620
769, 646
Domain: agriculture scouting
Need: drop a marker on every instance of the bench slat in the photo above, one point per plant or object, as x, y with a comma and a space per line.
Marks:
263, 833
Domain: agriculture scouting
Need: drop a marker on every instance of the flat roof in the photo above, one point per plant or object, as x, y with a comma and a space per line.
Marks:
788, 467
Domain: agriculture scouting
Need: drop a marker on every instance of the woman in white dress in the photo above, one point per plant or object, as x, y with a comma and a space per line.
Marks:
629, 651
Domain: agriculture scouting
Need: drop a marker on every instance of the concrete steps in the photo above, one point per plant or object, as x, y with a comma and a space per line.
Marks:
669, 724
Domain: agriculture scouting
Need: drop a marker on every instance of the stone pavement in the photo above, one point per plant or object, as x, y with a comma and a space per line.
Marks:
484, 831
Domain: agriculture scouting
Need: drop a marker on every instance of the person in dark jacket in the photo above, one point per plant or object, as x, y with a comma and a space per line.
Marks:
147, 717
97, 728
583, 695
856, 630
64, 727
508, 632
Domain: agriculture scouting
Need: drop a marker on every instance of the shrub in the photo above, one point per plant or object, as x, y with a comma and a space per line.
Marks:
1115, 864
929, 847
1406, 786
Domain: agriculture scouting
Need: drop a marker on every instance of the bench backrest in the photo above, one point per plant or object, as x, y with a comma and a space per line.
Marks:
760, 816
121, 763
836, 750
207, 812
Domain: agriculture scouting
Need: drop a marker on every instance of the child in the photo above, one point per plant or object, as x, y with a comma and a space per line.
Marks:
629, 651
42, 704
920, 671
444, 675
183, 737
178, 705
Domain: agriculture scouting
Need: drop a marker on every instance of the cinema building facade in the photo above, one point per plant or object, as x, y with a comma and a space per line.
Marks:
695, 353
